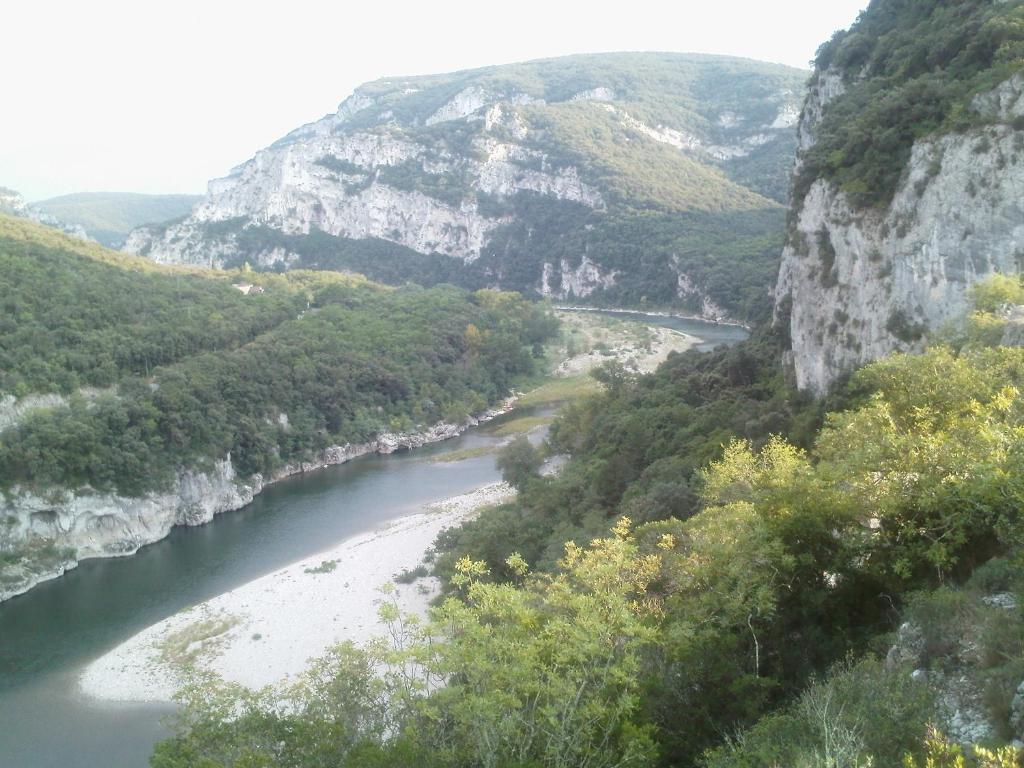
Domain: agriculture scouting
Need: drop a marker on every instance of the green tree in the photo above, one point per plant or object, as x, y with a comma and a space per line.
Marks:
519, 462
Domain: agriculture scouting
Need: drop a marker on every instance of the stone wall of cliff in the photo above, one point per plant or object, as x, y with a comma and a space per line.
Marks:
44, 534
857, 284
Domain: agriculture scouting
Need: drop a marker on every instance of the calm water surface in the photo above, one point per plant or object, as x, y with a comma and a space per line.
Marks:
50, 634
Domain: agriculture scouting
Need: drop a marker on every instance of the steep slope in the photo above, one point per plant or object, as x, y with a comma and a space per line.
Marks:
909, 181
135, 397
634, 178
108, 217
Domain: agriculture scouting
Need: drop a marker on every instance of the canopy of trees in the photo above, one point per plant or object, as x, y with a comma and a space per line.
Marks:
911, 69
193, 370
751, 602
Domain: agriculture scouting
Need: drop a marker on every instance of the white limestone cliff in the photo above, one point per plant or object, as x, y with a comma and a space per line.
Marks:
856, 285
566, 282
45, 534
688, 289
326, 176
13, 204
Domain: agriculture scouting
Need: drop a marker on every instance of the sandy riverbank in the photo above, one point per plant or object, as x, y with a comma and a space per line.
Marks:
653, 313
635, 354
268, 629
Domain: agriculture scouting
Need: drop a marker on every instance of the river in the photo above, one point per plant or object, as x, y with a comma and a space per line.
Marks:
48, 635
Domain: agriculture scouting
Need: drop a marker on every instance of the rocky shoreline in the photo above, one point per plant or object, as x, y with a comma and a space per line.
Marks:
57, 530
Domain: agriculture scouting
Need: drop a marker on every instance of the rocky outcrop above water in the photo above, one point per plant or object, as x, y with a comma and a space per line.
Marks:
44, 534
856, 284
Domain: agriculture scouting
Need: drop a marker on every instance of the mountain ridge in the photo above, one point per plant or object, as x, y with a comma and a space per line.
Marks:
528, 174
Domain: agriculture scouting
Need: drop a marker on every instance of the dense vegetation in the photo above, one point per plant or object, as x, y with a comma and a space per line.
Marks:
911, 68
712, 614
194, 370
637, 448
732, 257
658, 176
110, 216
76, 315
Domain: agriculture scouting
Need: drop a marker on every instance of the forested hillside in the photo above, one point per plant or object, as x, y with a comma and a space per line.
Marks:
188, 368
643, 179
757, 590
908, 71
117, 374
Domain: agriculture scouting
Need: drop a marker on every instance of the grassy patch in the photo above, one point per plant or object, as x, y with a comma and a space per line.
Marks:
465, 453
521, 425
195, 641
325, 567
559, 390
409, 576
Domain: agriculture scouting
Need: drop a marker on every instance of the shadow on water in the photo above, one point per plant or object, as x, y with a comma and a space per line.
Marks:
48, 635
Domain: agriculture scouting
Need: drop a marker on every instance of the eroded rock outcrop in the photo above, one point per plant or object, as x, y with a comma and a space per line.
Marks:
13, 204
565, 281
331, 177
42, 535
857, 284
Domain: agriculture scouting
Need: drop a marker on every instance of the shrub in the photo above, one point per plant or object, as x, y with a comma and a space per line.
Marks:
519, 462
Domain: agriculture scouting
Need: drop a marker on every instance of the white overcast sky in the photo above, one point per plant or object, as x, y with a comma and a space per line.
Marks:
151, 96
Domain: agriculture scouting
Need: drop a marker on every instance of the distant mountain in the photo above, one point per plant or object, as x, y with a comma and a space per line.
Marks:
654, 179
13, 204
109, 216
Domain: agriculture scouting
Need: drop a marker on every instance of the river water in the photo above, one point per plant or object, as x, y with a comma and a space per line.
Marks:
50, 634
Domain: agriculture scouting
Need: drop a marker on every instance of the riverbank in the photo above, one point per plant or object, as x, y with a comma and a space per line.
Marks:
654, 313
82, 525
62, 528
640, 354
268, 629
50, 636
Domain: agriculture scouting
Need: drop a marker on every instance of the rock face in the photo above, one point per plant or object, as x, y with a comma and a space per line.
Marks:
43, 535
294, 189
1017, 711
486, 170
332, 183
953, 665
565, 281
856, 285
686, 286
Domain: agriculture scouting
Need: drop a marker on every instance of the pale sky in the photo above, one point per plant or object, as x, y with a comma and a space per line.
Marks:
147, 96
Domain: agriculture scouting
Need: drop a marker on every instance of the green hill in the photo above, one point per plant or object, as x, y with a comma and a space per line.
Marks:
109, 216
908, 70
161, 368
